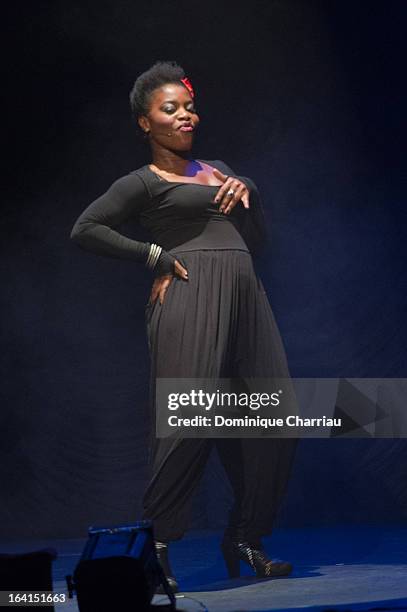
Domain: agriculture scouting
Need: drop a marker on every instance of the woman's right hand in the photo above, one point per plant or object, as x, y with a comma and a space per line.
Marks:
161, 283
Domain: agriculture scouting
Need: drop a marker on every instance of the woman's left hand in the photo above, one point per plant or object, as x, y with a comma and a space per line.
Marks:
228, 202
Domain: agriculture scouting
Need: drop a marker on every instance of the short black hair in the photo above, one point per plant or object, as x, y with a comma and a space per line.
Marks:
159, 74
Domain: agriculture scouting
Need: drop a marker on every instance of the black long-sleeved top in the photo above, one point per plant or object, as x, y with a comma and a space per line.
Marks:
180, 217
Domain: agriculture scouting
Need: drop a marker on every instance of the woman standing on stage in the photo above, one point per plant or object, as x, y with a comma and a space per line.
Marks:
208, 314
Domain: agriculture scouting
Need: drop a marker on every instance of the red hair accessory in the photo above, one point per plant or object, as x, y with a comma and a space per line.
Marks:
188, 85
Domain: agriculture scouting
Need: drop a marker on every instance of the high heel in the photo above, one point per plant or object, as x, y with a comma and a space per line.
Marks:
232, 560
255, 556
161, 549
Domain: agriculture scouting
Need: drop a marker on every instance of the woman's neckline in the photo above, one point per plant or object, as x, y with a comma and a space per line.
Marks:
180, 182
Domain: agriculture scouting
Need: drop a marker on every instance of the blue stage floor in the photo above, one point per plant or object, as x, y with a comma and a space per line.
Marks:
351, 567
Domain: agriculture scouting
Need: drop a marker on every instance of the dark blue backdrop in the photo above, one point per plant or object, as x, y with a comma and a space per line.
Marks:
307, 98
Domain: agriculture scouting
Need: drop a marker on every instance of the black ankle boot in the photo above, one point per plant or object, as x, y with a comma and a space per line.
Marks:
161, 549
253, 554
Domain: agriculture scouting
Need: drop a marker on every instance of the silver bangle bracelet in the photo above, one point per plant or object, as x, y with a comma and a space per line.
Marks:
154, 254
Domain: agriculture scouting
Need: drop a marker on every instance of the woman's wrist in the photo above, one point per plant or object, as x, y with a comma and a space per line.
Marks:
153, 256
160, 261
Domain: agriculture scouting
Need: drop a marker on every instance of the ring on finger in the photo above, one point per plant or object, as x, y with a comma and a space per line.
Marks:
231, 192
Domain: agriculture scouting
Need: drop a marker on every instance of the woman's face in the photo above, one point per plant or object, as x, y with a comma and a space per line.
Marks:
171, 112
